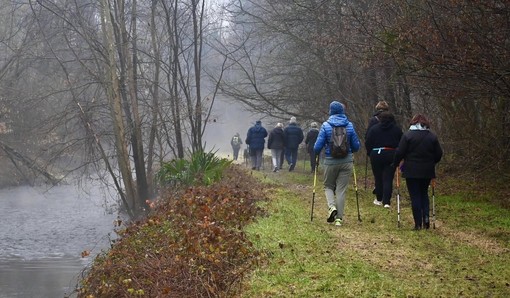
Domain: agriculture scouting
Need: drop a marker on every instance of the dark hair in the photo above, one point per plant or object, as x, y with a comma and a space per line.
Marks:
419, 118
386, 117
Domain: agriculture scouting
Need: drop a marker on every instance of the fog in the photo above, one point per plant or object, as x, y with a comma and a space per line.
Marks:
228, 117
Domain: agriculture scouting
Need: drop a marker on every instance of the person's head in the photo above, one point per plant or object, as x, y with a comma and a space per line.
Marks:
420, 119
386, 117
382, 106
292, 119
314, 125
336, 108
237, 134
279, 124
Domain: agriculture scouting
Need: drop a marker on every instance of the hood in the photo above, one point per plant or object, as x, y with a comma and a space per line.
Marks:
385, 125
336, 108
338, 120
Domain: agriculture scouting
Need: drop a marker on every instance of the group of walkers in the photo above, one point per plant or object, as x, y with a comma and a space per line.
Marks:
283, 142
414, 153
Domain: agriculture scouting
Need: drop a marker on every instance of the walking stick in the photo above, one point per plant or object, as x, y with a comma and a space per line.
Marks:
433, 204
398, 198
356, 189
314, 184
366, 171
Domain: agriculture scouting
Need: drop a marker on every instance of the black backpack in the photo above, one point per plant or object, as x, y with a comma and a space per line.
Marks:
338, 145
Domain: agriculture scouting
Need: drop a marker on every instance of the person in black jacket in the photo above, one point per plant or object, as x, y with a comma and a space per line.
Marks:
276, 142
293, 137
421, 151
381, 142
381, 106
310, 139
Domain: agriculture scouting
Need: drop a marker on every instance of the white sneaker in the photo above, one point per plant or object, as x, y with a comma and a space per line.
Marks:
386, 206
338, 222
332, 214
378, 203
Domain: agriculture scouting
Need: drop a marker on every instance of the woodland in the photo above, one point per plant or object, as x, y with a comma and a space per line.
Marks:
113, 88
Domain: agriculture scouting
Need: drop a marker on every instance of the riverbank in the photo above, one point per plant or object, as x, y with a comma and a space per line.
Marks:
182, 250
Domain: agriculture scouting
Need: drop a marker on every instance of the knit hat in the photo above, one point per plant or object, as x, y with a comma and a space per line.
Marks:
382, 106
292, 119
258, 122
336, 108
314, 125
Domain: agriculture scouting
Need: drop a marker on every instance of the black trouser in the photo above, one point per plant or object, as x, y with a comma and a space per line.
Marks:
313, 159
383, 174
419, 191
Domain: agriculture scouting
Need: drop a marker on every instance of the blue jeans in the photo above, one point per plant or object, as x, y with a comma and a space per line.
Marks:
291, 156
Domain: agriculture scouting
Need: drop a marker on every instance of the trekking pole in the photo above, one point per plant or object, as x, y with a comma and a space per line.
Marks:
314, 184
366, 171
433, 204
356, 189
398, 198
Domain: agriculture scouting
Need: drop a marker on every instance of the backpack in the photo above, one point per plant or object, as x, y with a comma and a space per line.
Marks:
235, 141
338, 145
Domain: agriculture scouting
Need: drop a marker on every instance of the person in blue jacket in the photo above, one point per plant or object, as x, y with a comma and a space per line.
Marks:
337, 171
255, 138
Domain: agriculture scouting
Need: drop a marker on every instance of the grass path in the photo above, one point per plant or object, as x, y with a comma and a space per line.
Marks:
467, 255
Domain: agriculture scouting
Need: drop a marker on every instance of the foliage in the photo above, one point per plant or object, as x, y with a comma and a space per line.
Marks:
202, 168
191, 246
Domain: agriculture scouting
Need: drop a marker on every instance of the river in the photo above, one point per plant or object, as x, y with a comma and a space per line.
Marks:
43, 233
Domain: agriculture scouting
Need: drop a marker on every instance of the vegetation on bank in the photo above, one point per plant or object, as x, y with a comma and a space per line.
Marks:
228, 240
191, 245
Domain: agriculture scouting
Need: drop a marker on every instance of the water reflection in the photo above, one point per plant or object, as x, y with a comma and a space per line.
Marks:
44, 232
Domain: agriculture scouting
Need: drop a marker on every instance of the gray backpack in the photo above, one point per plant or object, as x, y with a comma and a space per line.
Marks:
338, 145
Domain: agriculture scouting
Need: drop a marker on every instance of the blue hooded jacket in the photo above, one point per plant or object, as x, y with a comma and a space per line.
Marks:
336, 118
256, 136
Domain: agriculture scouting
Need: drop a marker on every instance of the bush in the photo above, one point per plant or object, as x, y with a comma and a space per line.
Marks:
203, 168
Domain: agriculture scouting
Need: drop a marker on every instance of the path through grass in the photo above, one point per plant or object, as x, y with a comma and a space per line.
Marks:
467, 255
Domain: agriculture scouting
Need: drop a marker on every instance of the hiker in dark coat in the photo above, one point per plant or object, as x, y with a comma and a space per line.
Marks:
293, 137
421, 151
310, 139
381, 142
276, 143
255, 138
337, 171
236, 143
381, 106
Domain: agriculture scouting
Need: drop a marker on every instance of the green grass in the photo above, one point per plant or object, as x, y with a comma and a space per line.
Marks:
467, 255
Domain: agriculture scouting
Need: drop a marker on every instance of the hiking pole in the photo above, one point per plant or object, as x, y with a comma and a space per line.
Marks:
398, 198
356, 189
366, 171
314, 184
433, 204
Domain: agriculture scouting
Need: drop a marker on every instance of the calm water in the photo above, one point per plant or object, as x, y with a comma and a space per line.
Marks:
43, 233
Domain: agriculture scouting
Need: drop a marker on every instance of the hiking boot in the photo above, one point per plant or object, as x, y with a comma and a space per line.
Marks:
378, 203
275, 169
386, 206
291, 168
338, 222
332, 214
